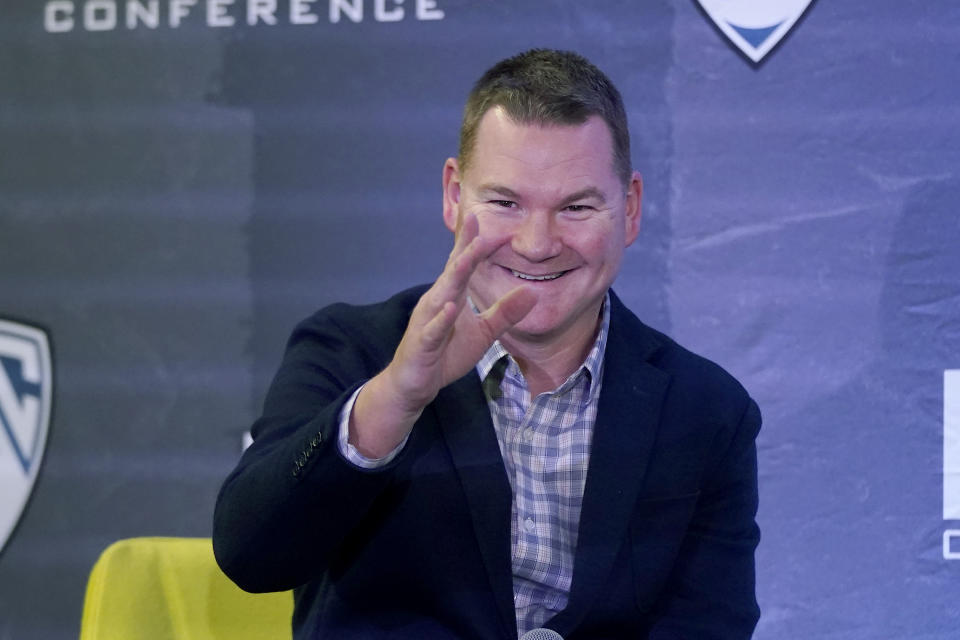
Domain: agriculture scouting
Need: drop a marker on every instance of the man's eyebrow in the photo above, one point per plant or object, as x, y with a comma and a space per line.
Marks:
499, 189
583, 194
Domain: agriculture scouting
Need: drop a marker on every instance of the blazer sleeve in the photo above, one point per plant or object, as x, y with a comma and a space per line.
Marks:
283, 513
711, 592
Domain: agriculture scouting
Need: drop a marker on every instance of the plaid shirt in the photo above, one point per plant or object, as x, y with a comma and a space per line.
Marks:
545, 443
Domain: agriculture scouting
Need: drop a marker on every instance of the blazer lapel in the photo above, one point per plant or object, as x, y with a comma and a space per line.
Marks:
628, 418
466, 426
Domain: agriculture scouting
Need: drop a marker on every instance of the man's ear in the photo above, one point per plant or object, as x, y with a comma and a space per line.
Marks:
451, 194
633, 207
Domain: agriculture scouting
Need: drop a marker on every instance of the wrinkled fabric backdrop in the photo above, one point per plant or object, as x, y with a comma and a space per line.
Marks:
176, 196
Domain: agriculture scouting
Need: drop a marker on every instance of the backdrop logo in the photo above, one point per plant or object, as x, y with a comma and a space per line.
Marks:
951, 461
26, 387
754, 27
63, 16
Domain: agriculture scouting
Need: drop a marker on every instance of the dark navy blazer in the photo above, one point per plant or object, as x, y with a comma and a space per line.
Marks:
421, 548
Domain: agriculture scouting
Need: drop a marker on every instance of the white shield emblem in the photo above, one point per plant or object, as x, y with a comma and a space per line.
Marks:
755, 27
26, 387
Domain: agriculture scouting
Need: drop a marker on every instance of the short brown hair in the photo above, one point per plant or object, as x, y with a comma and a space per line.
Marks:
545, 86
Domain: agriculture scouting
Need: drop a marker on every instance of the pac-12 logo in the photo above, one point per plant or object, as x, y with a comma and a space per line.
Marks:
755, 27
26, 388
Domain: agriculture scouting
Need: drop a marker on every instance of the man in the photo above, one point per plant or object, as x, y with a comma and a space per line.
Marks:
509, 448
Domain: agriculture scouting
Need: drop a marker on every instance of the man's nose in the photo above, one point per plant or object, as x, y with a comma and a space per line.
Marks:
536, 237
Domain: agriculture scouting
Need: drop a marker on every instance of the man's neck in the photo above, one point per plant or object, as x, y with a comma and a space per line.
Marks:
546, 363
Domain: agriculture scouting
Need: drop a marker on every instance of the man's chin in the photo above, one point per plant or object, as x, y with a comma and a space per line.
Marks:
547, 323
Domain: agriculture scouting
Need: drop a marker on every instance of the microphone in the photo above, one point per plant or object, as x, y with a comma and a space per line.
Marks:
541, 634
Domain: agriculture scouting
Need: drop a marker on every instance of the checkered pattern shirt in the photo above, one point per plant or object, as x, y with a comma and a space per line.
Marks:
545, 443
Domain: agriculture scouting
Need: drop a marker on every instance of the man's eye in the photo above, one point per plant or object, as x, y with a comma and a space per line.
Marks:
507, 204
576, 208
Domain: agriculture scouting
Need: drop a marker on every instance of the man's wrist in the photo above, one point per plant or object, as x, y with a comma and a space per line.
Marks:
350, 452
377, 425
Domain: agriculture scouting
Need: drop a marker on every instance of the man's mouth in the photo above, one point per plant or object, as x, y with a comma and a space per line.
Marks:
528, 276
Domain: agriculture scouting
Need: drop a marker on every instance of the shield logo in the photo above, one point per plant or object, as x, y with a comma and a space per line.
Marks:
754, 27
26, 390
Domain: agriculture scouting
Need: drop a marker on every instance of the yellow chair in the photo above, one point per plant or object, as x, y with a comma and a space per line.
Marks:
172, 588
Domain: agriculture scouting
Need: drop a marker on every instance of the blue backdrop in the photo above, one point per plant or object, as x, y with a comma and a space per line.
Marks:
180, 184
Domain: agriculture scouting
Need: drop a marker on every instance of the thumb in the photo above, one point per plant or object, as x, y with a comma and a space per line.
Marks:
509, 310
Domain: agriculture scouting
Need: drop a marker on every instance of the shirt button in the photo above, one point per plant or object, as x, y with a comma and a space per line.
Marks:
529, 525
528, 435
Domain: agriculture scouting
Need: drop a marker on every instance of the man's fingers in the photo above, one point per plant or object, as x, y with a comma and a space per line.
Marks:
452, 283
435, 332
469, 229
509, 310
517, 304
455, 277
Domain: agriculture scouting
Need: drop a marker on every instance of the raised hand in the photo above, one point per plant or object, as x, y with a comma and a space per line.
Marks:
443, 341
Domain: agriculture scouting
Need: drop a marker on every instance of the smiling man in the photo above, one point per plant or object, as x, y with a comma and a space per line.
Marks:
552, 193
508, 448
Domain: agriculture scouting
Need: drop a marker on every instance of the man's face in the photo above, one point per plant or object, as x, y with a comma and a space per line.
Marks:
552, 193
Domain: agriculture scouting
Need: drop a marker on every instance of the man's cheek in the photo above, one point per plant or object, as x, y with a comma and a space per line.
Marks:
497, 231
485, 219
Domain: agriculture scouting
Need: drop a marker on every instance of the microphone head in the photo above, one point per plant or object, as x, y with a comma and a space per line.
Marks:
541, 634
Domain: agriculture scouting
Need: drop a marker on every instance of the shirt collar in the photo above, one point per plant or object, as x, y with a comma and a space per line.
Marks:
593, 362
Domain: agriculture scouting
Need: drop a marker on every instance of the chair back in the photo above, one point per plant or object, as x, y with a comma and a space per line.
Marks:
172, 588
